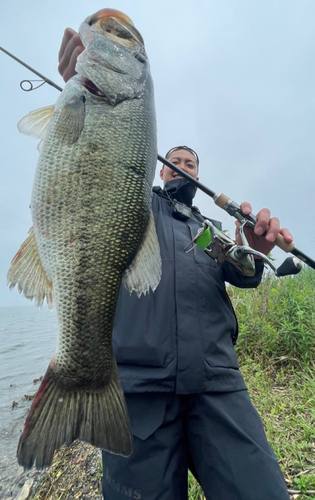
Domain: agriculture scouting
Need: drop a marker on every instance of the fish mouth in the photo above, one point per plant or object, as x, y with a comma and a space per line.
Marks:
116, 26
91, 87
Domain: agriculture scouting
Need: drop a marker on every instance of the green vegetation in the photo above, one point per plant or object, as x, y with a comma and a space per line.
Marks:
276, 355
276, 352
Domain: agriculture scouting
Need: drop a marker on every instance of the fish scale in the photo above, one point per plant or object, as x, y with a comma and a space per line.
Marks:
92, 229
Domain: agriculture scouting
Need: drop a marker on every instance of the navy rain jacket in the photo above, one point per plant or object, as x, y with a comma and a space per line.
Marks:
180, 338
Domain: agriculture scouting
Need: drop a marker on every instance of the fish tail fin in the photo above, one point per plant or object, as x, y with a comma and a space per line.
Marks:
58, 416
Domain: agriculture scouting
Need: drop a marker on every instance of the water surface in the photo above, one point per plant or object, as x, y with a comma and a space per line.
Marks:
28, 339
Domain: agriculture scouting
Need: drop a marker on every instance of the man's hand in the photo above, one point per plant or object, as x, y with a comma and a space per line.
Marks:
264, 223
71, 47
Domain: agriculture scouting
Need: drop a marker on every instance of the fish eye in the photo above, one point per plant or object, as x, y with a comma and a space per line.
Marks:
140, 57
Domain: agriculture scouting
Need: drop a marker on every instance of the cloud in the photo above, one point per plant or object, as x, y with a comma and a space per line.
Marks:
234, 80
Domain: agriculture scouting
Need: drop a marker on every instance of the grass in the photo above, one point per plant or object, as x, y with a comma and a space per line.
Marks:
276, 350
285, 402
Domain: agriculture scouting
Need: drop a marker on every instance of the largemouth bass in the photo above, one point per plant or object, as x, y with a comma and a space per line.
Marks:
92, 229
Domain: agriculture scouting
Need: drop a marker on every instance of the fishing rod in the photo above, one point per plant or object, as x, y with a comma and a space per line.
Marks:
233, 209
221, 200
43, 78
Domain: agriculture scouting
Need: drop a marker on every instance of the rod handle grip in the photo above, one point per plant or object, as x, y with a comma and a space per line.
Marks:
223, 201
281, 243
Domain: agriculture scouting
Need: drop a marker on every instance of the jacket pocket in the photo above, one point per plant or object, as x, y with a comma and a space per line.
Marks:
146, 413
217, 319
144, 331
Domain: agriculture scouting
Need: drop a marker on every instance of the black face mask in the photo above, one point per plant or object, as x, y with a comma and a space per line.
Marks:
182, 190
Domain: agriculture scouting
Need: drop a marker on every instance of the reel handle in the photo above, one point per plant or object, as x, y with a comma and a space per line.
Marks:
291, 265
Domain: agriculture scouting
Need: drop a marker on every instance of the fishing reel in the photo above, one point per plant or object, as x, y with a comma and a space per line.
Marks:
221, 247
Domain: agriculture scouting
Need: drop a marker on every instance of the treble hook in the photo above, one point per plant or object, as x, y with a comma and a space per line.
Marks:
30, 83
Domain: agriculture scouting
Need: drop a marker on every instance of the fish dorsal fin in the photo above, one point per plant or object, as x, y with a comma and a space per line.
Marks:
146, 269
27, 272
36, 122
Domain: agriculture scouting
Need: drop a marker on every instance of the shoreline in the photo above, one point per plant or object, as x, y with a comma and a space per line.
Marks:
76, 472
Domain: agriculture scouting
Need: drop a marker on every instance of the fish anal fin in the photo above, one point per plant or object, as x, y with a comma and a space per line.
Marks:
27, 273
145, 271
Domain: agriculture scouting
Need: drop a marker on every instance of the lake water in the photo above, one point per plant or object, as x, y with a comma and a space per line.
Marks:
28, 339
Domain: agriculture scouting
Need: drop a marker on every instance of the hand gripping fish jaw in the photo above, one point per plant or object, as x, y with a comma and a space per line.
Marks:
221, 247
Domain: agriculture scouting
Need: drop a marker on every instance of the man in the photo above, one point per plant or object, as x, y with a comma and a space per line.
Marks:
187, 401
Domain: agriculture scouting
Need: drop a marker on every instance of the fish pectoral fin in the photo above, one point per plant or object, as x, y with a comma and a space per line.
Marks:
70, 121
146, 269
27, 272
36, 122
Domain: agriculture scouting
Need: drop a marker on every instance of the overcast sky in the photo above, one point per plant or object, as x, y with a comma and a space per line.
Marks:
234, 79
